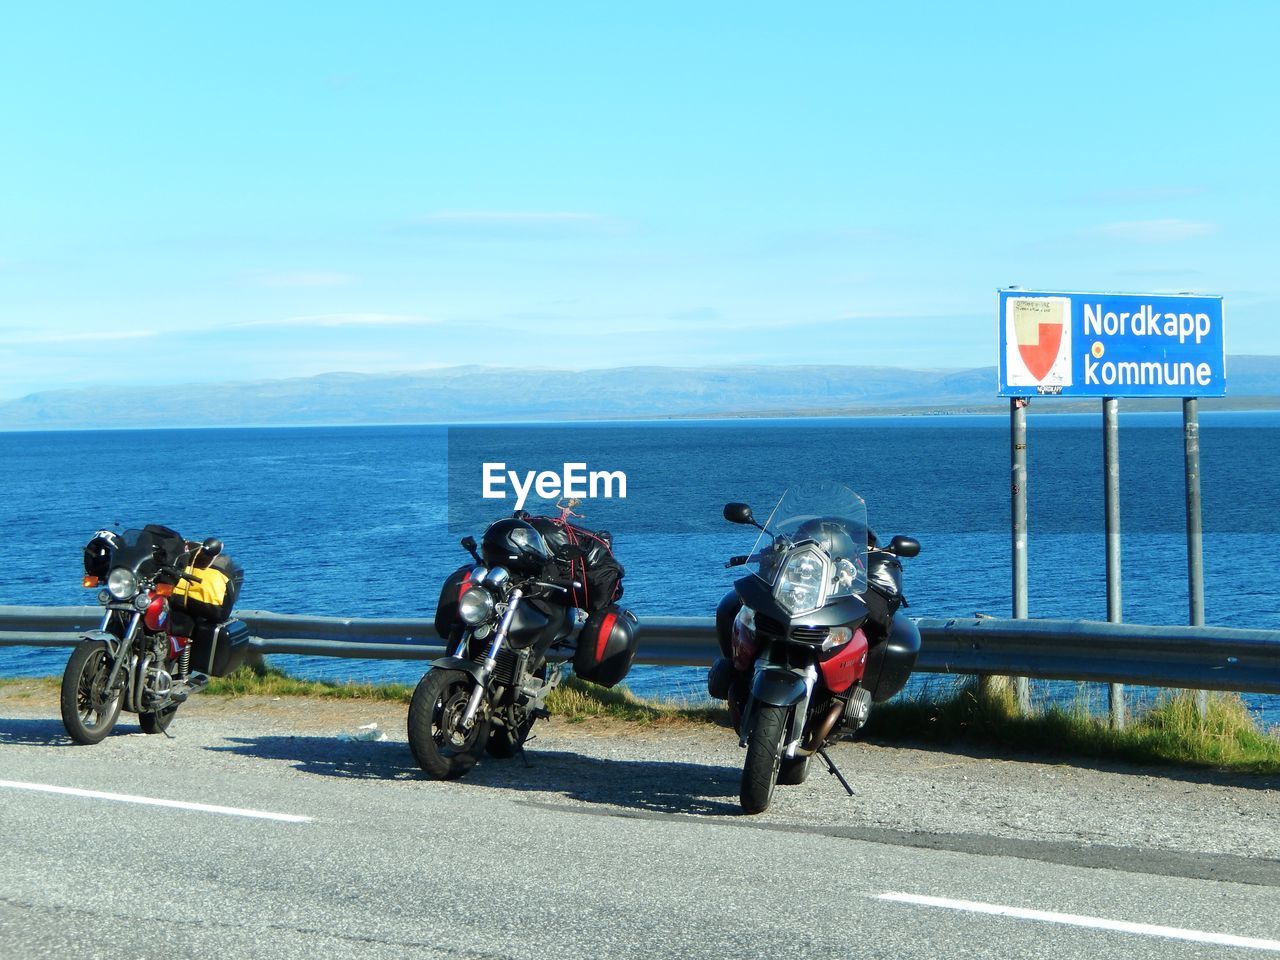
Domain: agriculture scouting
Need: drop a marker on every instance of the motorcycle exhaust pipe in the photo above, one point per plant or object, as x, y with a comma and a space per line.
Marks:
140, 683
819, 733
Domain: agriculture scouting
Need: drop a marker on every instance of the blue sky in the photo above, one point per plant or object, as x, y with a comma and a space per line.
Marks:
242, 191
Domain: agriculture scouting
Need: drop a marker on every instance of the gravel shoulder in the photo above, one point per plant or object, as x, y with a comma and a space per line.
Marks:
921, 797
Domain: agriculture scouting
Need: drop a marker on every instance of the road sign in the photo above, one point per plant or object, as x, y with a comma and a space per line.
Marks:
1110, 345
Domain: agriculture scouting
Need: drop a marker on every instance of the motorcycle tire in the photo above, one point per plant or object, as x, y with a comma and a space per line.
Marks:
764, 756
793, 771
86, 712
503, 744
442, 749
157, 721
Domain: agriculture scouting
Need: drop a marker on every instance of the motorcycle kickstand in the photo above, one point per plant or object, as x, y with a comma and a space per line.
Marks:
835, 771
524, 756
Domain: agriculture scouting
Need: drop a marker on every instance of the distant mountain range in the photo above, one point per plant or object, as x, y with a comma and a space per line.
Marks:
491, 393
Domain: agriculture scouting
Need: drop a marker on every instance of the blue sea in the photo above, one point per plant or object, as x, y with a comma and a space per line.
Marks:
365, 521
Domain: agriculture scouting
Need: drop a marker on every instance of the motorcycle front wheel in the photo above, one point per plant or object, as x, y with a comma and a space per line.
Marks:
443, 748
89, 712
764, 756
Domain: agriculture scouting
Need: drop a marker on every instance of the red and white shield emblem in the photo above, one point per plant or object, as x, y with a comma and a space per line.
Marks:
1038, 345
1039, 329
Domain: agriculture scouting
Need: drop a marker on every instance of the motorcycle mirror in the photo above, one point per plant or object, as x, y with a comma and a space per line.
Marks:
905, 546
211, 547
738, 513
469, 544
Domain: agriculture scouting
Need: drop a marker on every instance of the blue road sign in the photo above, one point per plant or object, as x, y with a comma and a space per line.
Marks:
1110, 345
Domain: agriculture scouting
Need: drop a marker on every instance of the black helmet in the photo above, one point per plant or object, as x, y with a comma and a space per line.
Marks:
516, 545
830, 534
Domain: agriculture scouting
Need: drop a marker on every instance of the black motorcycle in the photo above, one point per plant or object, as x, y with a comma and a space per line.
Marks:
510, 622
165, 630
812, 637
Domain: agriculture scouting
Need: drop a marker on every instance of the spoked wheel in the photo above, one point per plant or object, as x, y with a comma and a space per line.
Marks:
89, 710
157, 721
443, 748
764, 756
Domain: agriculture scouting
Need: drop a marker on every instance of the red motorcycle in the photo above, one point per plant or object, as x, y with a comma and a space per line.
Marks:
812, 637
165, 629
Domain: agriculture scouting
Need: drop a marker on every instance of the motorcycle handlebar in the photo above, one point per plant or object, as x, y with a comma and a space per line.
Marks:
182, 574
560, 588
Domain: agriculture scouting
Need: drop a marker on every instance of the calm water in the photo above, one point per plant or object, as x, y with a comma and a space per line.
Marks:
364, 521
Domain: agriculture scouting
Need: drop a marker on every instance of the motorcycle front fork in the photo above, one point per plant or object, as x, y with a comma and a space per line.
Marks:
125, 644
799, 706
491, 659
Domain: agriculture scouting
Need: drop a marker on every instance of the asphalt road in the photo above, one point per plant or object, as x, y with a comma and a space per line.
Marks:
614, 843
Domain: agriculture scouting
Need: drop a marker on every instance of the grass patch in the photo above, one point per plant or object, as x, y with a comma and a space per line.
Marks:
52, 682
577, 700
1171, 733
264, 681
574, 700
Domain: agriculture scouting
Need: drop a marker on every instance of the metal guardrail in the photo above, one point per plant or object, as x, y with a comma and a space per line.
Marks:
1206, 658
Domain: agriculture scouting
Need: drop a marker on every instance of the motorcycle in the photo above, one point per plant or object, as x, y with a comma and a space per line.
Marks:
511, 621
812, 637
165, 630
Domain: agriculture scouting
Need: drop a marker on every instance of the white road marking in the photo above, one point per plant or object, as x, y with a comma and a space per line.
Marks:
1096, 923
154, 802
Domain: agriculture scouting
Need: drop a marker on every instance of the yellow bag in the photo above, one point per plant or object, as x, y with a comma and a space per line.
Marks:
211, 590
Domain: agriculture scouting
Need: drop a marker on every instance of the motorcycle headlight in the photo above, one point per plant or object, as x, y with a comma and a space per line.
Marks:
802, 583
475, 606
122, 584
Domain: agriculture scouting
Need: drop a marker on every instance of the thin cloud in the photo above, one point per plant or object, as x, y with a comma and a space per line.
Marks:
1154, 231
1161, 272
303, 279
1125, 195
514, 224
79, 336
337, 320
518, 218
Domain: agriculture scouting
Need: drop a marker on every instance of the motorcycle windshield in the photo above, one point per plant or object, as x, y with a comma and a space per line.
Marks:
142, 551
814, 546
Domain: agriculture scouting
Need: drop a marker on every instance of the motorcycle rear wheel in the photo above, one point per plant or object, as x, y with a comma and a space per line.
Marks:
764, 756
157, 721
504, 744
443, 749
87, 711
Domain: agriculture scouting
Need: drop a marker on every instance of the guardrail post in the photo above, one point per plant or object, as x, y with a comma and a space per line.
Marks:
1111, 470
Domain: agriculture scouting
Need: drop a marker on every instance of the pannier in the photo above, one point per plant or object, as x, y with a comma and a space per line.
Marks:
607, 645
596, 569
218, 649
890, 662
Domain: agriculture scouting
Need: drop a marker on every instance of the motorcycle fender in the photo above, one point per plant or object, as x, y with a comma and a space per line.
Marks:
782, 688
110, 639
469, 667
